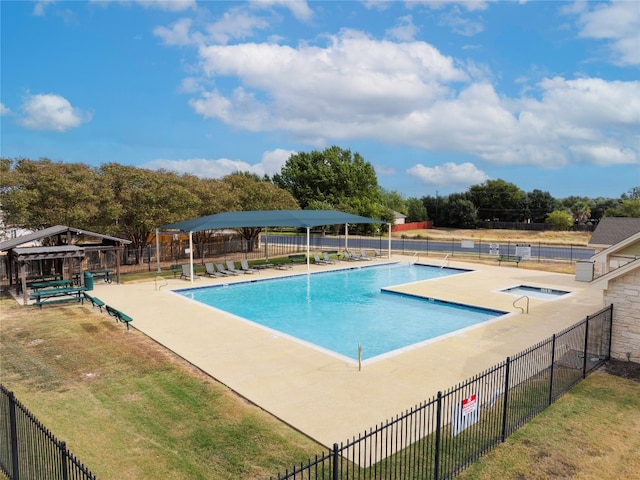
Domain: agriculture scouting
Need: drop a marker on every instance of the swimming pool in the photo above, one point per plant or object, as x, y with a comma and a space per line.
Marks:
337, 310
536, 292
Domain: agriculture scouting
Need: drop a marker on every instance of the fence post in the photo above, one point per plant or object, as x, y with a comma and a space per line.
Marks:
610, 331
64, 464
586, 345
334, 475
436, 460
553, 360
505, 405
14, 437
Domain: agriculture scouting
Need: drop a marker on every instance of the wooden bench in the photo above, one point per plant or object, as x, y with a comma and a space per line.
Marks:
298, 258
119, 316
509, 258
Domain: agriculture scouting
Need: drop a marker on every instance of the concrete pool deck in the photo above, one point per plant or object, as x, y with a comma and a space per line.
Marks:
326, 396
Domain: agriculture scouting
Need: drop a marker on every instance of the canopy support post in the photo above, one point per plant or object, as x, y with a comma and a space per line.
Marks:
346, 236
389, 254
308, 236
191, 256
158, 250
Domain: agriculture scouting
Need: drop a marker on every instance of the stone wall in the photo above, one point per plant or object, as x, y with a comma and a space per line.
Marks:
624, 293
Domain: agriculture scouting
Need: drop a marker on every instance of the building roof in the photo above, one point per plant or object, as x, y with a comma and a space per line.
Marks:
612, 230
268, 218
48, 253
51, 232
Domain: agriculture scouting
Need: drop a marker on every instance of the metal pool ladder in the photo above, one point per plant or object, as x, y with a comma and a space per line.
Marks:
517, 300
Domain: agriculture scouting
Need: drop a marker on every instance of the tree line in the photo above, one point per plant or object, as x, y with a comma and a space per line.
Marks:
130, 202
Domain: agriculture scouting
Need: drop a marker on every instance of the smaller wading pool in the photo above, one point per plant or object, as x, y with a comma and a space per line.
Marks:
536, 292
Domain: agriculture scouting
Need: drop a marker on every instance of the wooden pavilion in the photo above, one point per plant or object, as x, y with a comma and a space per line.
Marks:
60, 254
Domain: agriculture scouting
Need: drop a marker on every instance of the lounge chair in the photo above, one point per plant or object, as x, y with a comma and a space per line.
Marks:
186, 274
211, 271
363, 255
377, 253
223, 270
244, 266
348, 255
232, 267
318, 260
327, 258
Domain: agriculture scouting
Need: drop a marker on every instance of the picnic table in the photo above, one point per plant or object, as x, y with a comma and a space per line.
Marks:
50, 295
50, 284
106, 274
43, 278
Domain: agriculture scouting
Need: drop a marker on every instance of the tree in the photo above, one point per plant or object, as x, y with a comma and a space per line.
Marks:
43, 193
560, 220
416, 211
254, 193
460, 212
539, 205
335, 176
627, 208
581, 212
145, 199
498, 200
394, 201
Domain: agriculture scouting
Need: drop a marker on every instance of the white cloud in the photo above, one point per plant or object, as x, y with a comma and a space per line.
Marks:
4, 110
471, 5
618, 22
40, 7
50, 112
271, 163
299, 8
450, 175
404, 30
168, 5
407, 93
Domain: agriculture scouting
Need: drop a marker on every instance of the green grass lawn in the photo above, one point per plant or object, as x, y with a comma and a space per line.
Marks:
129, 409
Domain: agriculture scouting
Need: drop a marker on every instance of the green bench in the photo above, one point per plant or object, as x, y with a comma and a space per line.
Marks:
95, 301
119, 316
509, 258
298, 258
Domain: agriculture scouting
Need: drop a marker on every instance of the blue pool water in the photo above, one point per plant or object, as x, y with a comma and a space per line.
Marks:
337, 310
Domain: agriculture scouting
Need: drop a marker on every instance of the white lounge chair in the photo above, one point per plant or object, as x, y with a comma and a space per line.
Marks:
211, 271
186, 274
232, 267
223, 270
363, 255
318, 260
244, 266
327, 258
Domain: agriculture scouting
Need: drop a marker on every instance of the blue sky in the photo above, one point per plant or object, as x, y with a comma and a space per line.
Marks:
437, 95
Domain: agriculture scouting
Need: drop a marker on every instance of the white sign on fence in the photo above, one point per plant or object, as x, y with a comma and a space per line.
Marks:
465, 414
523, 251
467, 244
494, 249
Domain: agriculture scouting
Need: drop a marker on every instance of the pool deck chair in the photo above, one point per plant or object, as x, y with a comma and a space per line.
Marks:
244, 266
377, 253
318, 261
327, 259
223, 270
363, 255
232, 267
211, 271
186, 274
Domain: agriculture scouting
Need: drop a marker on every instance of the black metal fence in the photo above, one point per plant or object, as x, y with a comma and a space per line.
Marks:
28, 451
272, 245
440, 437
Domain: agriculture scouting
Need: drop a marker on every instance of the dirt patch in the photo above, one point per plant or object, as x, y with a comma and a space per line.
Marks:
620, 368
